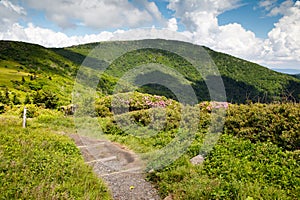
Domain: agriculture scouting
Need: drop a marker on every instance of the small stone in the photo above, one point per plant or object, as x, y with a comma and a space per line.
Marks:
169, 197
197, 160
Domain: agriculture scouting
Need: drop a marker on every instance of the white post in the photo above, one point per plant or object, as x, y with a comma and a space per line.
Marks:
24, 118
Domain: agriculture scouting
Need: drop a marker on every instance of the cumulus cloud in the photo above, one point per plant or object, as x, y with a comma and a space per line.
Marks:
49, 38
283, 41
200, 17
283, 9
280, 48
172, 24
195, 14
99, 13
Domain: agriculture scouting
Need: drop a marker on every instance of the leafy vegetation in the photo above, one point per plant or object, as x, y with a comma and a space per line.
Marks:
27, 68
235, 169
37, 163
244, 81
297, 76
256, 157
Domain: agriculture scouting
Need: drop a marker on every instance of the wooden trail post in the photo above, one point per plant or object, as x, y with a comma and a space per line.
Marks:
24, 117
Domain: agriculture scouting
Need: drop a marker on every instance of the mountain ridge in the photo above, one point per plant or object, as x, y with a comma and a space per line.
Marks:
244, 81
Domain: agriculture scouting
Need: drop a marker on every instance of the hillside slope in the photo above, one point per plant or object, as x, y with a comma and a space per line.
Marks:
27, 68
297, 76
243, 80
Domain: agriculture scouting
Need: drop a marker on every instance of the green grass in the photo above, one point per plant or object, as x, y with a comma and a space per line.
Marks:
37, 163
249, 160
41, 68
257, 156
7, 75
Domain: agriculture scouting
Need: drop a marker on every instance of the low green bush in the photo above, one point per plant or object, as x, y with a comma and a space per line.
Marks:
277, 123
235, 169
256, 157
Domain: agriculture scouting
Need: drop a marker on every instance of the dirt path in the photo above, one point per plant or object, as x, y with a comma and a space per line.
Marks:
119, 167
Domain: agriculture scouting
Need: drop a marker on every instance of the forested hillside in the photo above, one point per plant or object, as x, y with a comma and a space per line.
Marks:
243, 80
40, 73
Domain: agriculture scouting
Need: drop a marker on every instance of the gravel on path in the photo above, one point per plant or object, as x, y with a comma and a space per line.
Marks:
119, 167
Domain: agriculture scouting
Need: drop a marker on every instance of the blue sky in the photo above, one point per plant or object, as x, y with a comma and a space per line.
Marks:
263, 31
251, 17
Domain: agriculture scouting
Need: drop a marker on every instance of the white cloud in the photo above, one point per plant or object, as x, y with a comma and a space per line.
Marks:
281, 47
49, 38
13, 8
194, 13
99, 13
9, 13
172, 24
267, 4
283, 9
200, 17
283, 43
234, 39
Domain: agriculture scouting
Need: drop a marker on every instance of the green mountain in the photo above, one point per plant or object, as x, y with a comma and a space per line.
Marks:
243, 80
27, 69
297, 76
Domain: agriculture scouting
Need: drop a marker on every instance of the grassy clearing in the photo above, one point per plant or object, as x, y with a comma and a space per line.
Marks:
36, 163
7, 75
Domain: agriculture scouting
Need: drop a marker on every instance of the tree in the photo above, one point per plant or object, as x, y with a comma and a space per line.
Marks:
47, 98
16, 100
50, 100
37, 98
5, 98
27, 99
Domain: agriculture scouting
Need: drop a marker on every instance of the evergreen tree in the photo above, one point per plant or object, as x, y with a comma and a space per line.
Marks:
16, 100
37, 98
50, 100
27, 99
5, 98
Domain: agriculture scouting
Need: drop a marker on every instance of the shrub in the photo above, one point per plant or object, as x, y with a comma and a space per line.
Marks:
277, 123
46, 98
